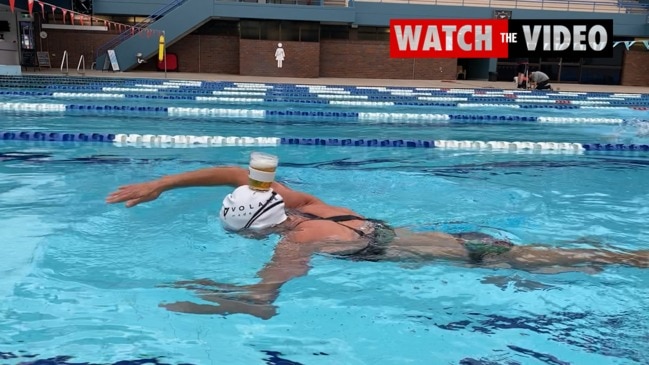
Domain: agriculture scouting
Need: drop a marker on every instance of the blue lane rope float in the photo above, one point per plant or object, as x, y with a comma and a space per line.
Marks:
233, 92
184, 141
382, 117
501, 97
56, 136
188, 85
230, 97
327, 90
375, 101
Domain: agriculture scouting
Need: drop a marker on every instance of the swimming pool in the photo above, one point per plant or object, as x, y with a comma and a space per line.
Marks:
82, 281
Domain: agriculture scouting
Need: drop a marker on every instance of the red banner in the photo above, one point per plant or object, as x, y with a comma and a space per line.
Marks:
81, 18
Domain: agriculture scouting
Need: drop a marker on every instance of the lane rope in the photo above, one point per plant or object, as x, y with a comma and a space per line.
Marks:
184, 141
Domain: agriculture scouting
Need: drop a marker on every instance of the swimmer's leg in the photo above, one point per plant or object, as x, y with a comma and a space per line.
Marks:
425, 246
543, 258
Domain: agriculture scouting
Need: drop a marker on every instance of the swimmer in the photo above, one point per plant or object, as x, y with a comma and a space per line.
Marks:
309, 226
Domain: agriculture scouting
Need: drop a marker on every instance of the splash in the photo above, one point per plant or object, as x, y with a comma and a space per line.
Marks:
630, 130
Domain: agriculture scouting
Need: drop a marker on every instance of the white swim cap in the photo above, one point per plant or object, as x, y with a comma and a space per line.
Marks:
245, 208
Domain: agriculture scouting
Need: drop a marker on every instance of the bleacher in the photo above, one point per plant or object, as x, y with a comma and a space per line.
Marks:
598, 6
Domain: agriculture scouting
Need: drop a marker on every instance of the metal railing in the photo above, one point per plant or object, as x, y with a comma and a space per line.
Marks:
81, 67
137, 28
634, 6
64, 62
327, 3
601, 6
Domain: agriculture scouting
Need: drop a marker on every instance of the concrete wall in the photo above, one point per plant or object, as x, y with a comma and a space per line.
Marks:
379, 14
372, 13
9, 48
230, 9
177, 23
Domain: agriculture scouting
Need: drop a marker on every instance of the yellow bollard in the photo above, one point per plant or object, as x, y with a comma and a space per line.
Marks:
161, 48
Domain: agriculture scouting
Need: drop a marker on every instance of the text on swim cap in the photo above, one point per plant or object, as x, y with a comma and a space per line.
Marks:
244, 210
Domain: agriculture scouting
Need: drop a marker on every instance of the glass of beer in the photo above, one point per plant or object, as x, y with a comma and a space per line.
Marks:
261, 170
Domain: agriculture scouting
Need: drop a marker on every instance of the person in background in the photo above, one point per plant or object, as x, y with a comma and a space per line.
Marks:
540, 80
522, 68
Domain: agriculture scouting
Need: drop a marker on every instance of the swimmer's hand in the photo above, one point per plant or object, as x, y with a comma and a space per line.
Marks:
225, 307
135, 194
256, 300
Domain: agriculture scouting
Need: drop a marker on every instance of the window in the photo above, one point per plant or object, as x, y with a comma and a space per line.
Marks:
373, 33
250, 29
269, 30
280, 30
309, 32
570, 73
572, 61
330, 31
616, 60
290, 31
602, 76
219, 27
123, 19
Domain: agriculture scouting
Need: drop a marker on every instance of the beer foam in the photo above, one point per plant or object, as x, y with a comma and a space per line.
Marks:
263, 161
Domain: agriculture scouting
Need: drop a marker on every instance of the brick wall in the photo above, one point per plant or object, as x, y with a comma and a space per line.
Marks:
257, 58
371, 59
329, 58
196, 53
635, 70
202, 53
219, 54
76, 42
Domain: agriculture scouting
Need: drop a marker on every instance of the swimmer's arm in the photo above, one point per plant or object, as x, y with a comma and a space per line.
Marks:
211, 176
135, 194
230, 176
289, 261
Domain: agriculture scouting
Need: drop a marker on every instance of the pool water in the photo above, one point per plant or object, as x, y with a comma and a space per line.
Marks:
82, 281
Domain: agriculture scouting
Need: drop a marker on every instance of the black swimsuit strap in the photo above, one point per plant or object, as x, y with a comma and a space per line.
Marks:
344, 218
337, 219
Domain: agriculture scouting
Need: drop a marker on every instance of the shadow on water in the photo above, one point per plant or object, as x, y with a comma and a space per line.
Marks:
67, 360
563, 327
273, 358
502, 359
346, 163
